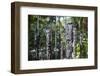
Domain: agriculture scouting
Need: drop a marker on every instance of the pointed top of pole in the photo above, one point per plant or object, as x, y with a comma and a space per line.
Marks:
68, 20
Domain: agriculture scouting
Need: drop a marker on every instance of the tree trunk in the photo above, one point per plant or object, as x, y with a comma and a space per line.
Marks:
37, 37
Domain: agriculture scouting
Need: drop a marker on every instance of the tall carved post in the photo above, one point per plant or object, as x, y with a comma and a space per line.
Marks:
74, 40
48, 34
69, 37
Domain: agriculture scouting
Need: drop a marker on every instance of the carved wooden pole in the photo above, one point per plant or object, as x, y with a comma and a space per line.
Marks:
48, 31
47, 42
69, 37
74, 40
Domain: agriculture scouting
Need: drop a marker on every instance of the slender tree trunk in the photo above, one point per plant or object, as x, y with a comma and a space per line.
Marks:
80, 45
60, 50
51, 41
37, 37
81, 37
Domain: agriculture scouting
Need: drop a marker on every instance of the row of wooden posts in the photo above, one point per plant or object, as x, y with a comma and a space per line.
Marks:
71, 38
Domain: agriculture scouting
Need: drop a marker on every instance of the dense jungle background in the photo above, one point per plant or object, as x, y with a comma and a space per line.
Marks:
57, 37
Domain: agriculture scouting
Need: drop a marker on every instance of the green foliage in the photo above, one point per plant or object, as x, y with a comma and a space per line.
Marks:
81, 50
37, 34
